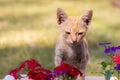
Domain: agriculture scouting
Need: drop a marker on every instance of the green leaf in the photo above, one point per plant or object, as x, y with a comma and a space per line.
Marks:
104, 65
108, 75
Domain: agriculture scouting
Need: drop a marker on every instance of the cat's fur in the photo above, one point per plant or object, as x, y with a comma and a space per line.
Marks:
72, 47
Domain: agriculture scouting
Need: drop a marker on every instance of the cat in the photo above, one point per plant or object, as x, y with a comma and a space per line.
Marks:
72, 47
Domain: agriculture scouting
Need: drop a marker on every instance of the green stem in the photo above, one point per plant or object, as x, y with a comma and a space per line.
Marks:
118, 75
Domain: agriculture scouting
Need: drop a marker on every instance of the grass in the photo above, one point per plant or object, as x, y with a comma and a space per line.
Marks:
28, 29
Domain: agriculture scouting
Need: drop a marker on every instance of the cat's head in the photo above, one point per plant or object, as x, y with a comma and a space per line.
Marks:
73, 28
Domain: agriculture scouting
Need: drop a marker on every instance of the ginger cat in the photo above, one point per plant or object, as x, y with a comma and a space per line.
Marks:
72, 47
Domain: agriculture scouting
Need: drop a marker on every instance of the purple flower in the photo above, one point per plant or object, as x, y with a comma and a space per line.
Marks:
57, 73
118, 47
113, 49
117, 67
49, 79
105, 43
107, 50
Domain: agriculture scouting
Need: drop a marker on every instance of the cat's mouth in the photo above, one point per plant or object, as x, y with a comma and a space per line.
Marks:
74, 44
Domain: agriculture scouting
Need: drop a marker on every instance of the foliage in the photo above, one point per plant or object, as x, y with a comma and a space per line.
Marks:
112, 64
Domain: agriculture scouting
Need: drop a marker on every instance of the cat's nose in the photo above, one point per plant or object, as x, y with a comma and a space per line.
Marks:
74, 42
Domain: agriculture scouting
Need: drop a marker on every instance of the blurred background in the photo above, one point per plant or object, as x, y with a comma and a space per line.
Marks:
28, 29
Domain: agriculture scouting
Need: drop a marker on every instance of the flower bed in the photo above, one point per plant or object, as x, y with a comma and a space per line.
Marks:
111, 66
37, 72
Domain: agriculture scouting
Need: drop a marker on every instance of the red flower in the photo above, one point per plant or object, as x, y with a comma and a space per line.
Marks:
74, 72
31, 64
38, 74
63, 66
31, 74
14, 73
68, 69
116, 58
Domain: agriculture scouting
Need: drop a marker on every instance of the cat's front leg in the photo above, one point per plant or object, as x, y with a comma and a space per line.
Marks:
57, 60
80, 77
82, 68
58, 57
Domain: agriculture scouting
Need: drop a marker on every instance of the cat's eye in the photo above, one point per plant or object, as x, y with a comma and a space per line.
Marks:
80, 33
67, 32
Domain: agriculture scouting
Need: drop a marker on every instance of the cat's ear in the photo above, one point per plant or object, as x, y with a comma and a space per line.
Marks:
86, 18
61, 16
